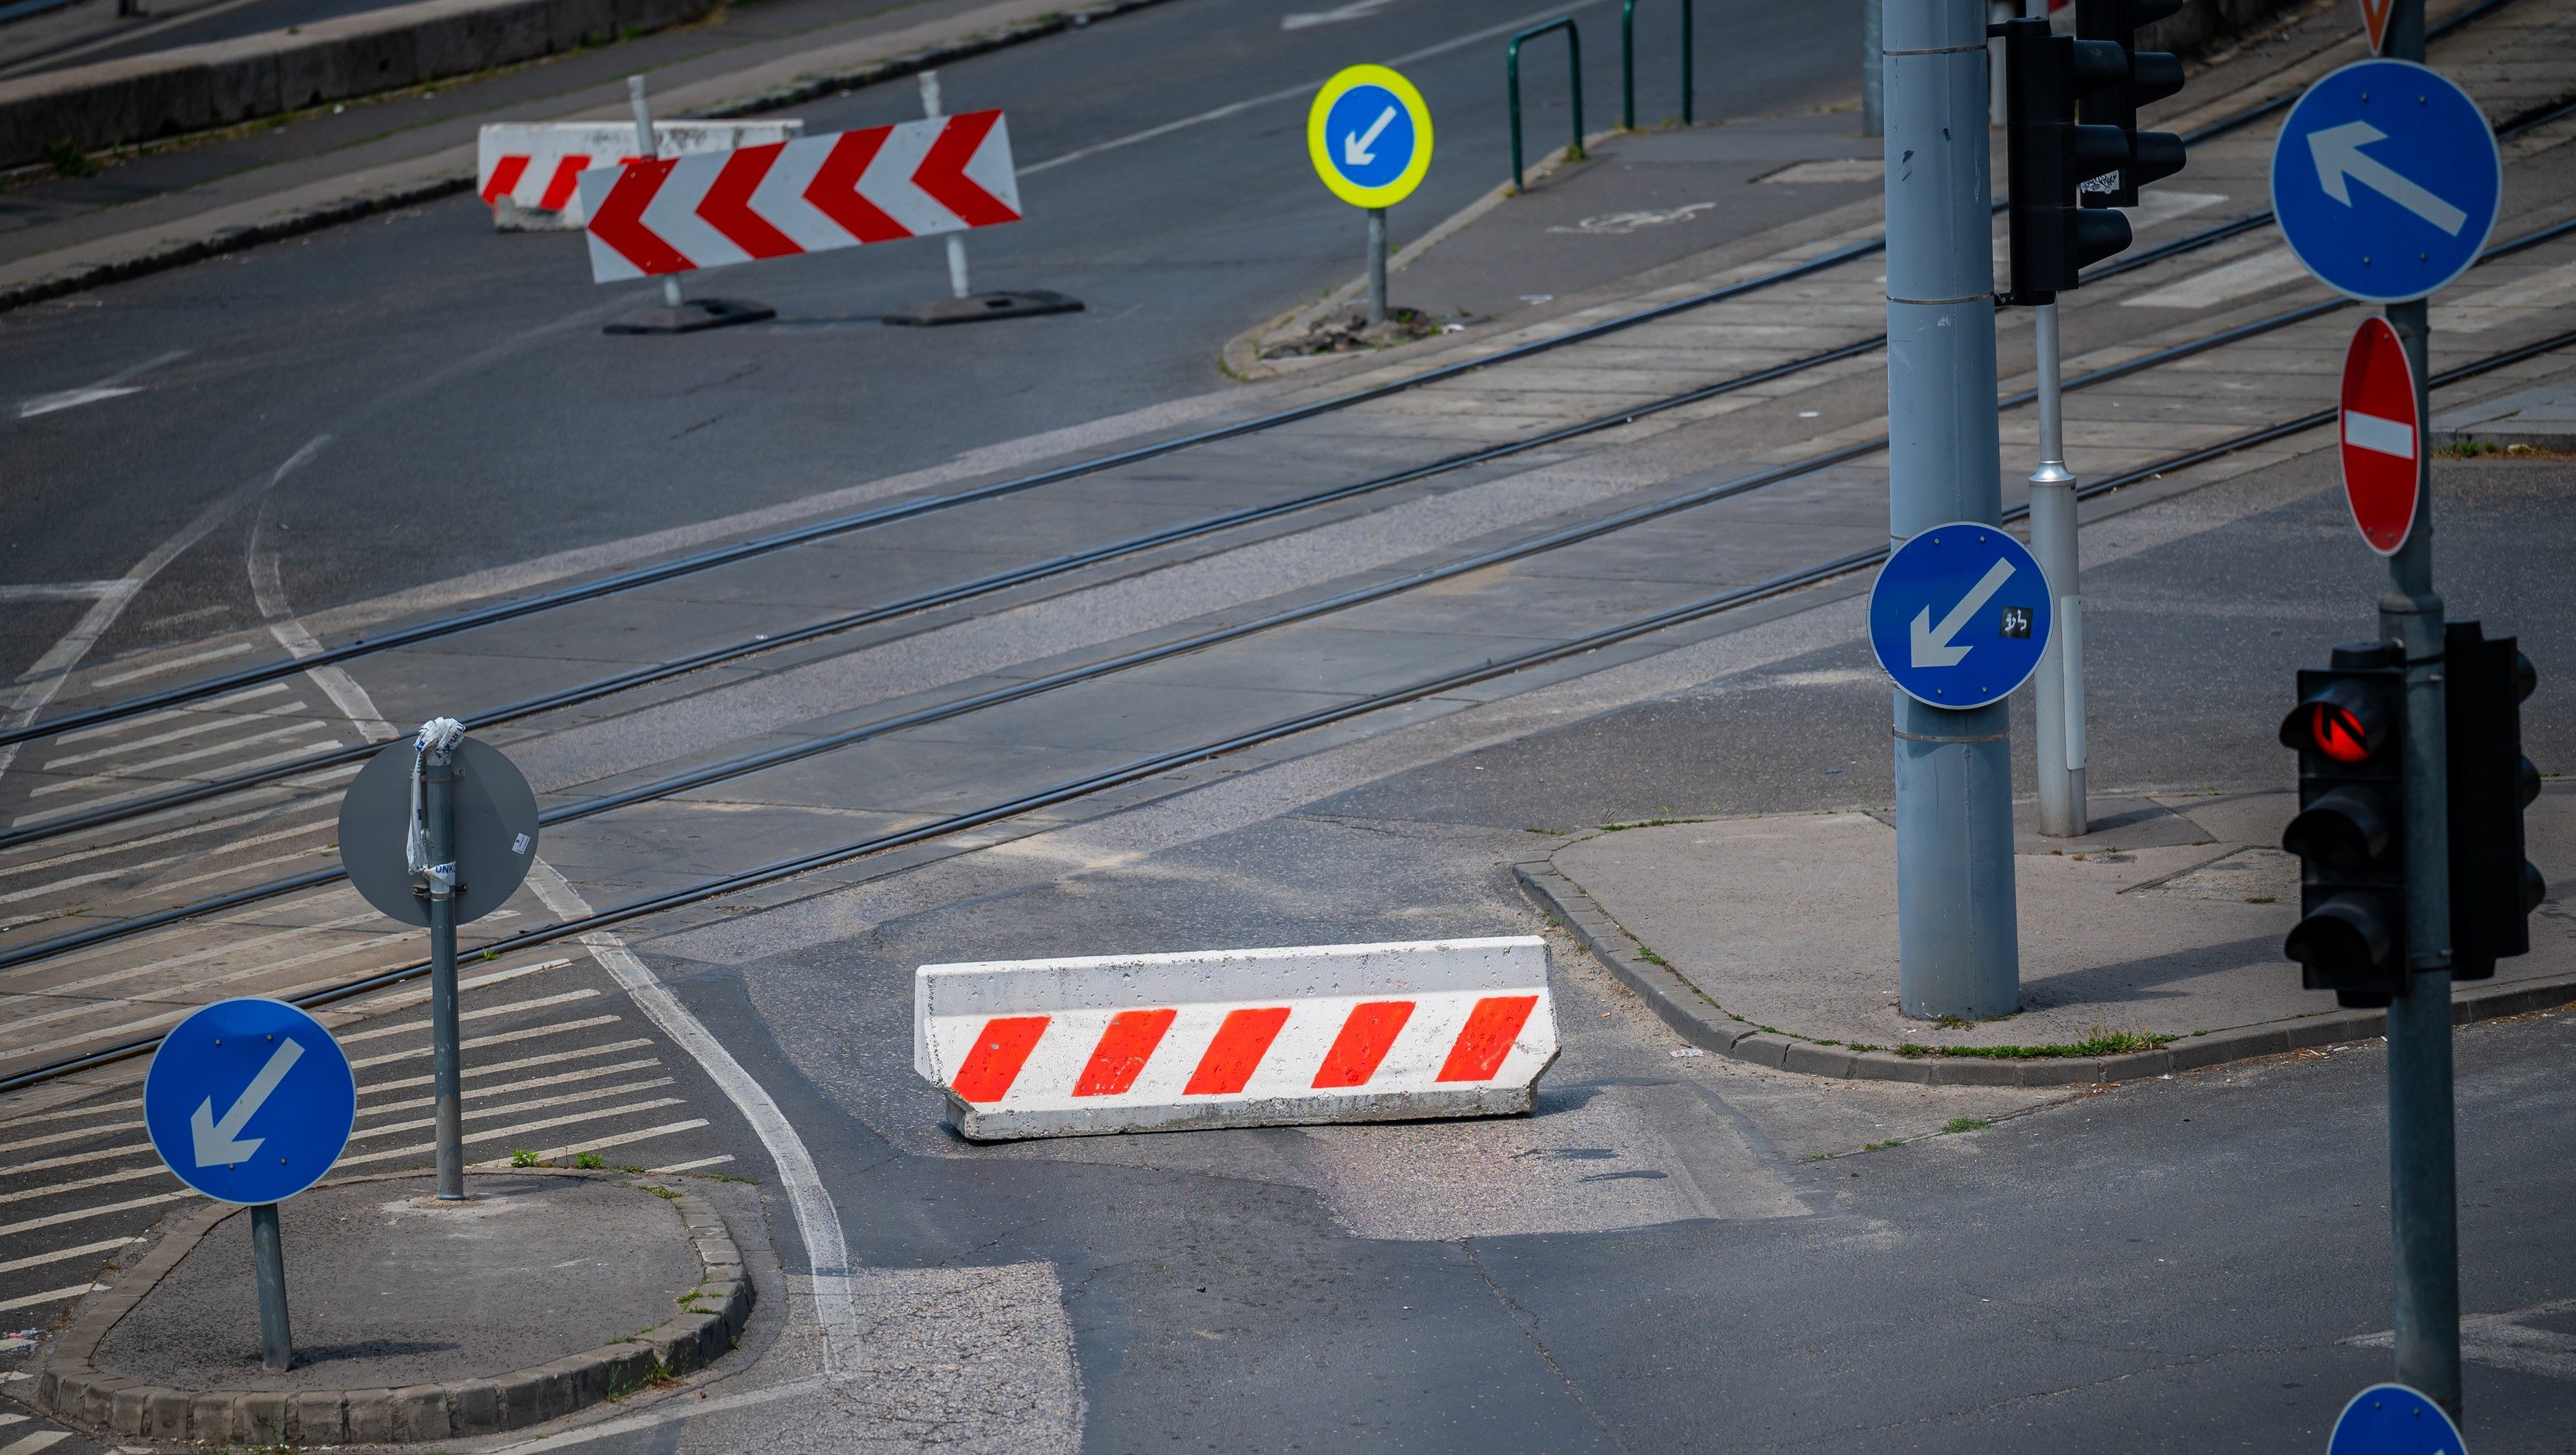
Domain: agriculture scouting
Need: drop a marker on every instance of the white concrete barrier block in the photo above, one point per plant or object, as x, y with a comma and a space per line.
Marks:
529, 173
1236, 1038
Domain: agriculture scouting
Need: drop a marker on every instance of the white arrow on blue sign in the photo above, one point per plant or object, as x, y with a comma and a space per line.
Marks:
2390, 1419
2386, 181
1960, 615
249, 1101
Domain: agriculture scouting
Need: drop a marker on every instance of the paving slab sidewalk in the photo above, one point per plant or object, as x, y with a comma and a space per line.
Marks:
542, 1293
2154, 944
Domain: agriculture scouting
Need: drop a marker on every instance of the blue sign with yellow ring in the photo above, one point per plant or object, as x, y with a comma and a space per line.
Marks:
1369, 132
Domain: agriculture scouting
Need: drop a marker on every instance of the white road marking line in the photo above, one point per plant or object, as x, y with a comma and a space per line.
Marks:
108, 388
1355, 10
192, 957
62, 1254
40, 1440
2249, 274
78, 856
51, 1295
572, 1099
421, 1028
394, 1000
57, 591
57, 886
495, 1069
190, 730
818, 1222
692, 1166
168, 664
95, 1108
471, 1042
52, 669
503, 1133
601, 1144
168, 885
128, 772
616, 1068
112, 799
51, 1139
15, 1419
2478, 312
674, 1413
310, 780
52, 1189
194, 711
263, 967
1303, 89
270, 595
80, 1214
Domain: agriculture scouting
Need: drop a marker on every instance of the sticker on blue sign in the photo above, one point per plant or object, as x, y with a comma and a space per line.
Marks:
249, 1101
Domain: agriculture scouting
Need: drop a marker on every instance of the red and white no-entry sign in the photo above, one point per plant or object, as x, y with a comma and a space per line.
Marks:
2383, 440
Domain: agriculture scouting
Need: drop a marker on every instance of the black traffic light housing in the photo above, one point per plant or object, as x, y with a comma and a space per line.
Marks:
2050, 155
2493, 888
2148, 76
2350, 835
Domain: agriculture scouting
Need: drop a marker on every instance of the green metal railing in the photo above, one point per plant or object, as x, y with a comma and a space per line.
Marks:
1573, 72
1628, 63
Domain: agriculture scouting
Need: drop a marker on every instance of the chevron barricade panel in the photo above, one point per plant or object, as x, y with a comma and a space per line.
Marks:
1230, 1038
529, 173
809, 195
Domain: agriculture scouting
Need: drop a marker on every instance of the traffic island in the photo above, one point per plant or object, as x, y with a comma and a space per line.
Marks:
414, 1320
2150, 946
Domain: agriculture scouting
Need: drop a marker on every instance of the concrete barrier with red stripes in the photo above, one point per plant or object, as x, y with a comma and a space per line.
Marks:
1236, 1038
529, 173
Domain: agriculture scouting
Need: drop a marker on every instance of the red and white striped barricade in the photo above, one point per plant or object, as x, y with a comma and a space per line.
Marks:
942, 174
529, 174
1236, 1038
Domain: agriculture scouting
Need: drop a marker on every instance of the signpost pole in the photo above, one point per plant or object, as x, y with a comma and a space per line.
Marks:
438, 803
2059, 750
1377, 264
1957, 937
646, 148
2422, 1171
930, 111
276, 1342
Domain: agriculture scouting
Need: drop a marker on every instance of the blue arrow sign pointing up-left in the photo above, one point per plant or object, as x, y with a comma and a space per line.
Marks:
249, 1101
2386, 181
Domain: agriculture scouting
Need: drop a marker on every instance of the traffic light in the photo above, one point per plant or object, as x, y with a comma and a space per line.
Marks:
2146, 76
2493, 888
2350, 835
2051, 155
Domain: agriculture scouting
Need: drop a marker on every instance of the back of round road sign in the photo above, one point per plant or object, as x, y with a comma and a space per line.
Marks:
1369, 133
496, 831
2390, 1419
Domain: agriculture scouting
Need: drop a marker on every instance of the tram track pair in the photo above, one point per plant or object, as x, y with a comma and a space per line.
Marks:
659, 572
741, 765
1156, 764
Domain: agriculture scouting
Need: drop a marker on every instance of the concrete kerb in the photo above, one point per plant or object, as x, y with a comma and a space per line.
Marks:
713, 1316
1699, 1020
180, 253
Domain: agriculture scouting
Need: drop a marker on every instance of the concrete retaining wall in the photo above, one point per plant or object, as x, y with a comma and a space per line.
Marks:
192, 88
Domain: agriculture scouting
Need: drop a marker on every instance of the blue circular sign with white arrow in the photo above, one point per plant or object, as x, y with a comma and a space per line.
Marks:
249, 1101
2386, 181
1960, 615
1369, 133
2390, 1419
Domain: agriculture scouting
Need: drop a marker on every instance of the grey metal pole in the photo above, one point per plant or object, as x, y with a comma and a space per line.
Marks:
2059, 751
2423, 1201
1957, 946
1377, 264
930, 110
647, 148
1873, 115
438, 828
268, 1256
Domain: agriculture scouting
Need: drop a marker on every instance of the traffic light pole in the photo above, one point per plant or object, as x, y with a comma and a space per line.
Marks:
1958, 950
2422, 1170
2059, 745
